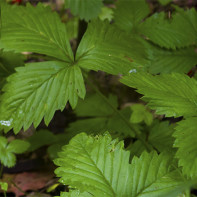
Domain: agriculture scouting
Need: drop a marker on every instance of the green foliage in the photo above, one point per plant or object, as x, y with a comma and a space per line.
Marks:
168, 61
140, 113
164, 95
186, 142
164, 2
8, 62
38, 90
4, 186
180, 31
158, 136
106, 48
130, 13
101, 166
75, 193
86, 9
98, 119
149, 50
22, 30
9, 149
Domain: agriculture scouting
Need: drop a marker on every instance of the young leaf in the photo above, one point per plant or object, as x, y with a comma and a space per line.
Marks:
130, 13
170, 94
38, 90
4, 186
86, 9
22, 30
106, 48
180, 31
101, 167
186, 142
7, 150
140, 113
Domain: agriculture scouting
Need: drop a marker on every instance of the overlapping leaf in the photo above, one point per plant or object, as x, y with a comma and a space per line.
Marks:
168, 61
186, 141
130, 13
159, 137
8, 62
37, 91
180, 31
100, 113
101, 167
34, 29
170, 94
86, 9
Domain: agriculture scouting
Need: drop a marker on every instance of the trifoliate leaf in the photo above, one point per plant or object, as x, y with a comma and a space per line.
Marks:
130, 13
7, 150
22, 30
101, 167
170, 94
38, 90
186, 142
140, 113
106, 48
86, 9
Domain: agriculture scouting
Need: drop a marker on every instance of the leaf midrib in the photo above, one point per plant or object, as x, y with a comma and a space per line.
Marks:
107, 182
45, 37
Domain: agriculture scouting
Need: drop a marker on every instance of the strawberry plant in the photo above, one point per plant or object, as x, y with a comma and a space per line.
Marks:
114, 143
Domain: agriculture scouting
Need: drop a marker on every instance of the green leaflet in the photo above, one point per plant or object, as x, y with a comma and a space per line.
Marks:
159, 136
140, 113
22, 30
170, 94
75, 193
180, 31
130, 13
168, 61
8, 150
101, 167
86, 9
186, 142
38, 90
106, 48
8, 62
100, 113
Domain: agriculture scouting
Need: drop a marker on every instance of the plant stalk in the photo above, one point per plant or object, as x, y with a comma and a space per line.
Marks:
135, 130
